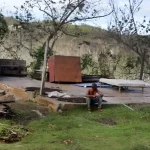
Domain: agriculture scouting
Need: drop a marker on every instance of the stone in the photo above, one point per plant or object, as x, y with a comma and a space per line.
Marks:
2, 92
7, 98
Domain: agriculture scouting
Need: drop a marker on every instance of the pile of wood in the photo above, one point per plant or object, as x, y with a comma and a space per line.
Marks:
5, 110
14, 133
13, 67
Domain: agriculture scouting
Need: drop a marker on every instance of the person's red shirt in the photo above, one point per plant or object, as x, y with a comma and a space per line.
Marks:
92, 93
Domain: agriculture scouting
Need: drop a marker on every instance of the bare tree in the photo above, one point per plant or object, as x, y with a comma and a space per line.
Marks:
127, 29
59, 14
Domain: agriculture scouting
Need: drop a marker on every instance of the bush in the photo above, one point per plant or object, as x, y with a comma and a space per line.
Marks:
38, 55
3, 27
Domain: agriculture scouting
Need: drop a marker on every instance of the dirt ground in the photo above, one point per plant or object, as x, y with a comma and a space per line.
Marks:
26, 111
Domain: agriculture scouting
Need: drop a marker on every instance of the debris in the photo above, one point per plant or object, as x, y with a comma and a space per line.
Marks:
59, 109
45, 89
7, 99
5, 111
55, 94
52, 126
128, 107
13, 67
38, 113
66, 96
67, 142
11, 135
90, 78
2, 92
86, 84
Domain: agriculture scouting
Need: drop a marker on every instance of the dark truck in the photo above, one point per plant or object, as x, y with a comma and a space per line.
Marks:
12, 67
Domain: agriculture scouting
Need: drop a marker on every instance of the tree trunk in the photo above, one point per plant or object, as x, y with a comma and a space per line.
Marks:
44, 67
142, 66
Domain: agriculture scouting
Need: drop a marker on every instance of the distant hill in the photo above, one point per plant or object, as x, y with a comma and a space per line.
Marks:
11, 20
102, 54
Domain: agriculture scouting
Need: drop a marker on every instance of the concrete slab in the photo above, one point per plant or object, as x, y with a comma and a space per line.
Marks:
54, 104
111, 95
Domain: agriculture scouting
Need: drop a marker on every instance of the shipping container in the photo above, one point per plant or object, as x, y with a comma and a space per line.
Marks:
64, 69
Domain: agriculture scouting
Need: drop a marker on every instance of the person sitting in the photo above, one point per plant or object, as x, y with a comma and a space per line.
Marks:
94, 95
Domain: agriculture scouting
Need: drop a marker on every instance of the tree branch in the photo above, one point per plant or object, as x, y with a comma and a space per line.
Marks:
87, 18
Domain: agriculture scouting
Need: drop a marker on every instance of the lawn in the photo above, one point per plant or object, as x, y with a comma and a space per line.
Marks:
116, 128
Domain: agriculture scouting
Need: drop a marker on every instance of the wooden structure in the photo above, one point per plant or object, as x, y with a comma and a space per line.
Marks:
64, 69
13, 67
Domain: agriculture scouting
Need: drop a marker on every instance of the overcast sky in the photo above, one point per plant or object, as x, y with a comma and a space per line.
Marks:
9, 6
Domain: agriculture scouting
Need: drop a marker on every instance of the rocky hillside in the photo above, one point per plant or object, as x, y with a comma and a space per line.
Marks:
99, 53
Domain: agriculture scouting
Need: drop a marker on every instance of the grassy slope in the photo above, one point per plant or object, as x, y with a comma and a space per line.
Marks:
131, 132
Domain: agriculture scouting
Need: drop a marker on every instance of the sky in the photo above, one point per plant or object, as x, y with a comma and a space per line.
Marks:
8, 6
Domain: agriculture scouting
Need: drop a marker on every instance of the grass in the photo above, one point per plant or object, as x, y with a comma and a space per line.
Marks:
79, 130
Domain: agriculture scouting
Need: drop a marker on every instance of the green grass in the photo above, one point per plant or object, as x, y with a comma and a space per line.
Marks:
87, 132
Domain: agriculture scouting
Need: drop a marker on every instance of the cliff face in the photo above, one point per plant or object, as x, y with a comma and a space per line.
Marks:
107, 57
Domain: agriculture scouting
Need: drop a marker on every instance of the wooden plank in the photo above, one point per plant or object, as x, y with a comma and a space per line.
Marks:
5, 101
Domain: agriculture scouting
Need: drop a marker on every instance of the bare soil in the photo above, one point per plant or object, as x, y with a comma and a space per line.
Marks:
106, 121
26, 111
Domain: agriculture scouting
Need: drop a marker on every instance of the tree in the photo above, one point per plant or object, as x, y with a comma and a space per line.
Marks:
126, 29
3, 27
59, 14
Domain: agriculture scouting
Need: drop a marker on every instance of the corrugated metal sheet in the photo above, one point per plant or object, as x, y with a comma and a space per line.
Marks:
64, 69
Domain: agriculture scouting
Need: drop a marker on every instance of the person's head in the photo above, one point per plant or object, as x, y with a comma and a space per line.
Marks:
94, 86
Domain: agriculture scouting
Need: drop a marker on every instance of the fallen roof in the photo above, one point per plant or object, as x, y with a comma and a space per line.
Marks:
125, 83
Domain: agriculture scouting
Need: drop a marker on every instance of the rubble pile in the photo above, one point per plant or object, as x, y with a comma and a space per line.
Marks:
5, 110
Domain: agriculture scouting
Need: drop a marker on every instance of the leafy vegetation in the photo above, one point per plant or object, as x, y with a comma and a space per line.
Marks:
116, 127
96, 68
131, 32
87, 63
38, 56
3, 26
83, 29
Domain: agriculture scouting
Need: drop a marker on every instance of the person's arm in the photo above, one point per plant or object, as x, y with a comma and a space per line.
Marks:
99, 93
88, 94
